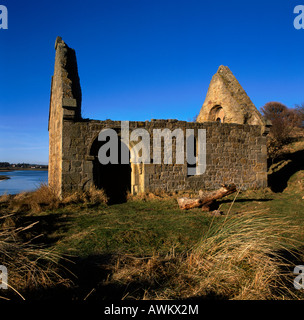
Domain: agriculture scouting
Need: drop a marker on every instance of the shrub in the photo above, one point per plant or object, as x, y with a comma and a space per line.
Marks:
300, 110
284, 121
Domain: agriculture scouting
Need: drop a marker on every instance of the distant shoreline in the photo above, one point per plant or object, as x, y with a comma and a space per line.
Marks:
4, 177
18, 169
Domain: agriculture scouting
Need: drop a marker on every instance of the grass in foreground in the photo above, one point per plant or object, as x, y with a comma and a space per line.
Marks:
148, 248
238, 258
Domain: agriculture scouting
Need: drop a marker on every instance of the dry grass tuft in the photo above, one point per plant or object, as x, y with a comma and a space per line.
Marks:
44, 198
5, 198
36, 201
239, 258
29, 266
92, 196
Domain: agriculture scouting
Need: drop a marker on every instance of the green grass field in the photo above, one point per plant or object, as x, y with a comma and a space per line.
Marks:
143, 227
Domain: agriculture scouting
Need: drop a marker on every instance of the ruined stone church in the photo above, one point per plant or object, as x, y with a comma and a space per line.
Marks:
235, 140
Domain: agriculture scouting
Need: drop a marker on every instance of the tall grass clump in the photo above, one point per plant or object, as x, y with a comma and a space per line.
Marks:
91, 196
30, 267
240, 257
244, 257
45, 198
36, 201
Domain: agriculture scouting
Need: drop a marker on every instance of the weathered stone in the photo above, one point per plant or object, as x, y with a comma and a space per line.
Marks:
235, 151
227, 102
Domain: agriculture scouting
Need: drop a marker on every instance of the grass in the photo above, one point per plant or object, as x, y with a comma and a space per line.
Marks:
147, 248
238, 258
141, 227
30, 267
135, 227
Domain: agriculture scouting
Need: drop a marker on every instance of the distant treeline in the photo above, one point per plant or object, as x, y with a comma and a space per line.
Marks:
22, 165
4, 164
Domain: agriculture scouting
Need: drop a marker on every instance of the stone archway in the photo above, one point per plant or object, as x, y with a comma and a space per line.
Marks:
114, 179
217, 114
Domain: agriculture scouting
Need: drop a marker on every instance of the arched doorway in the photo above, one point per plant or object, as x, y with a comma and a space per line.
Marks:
115, 179
217, 114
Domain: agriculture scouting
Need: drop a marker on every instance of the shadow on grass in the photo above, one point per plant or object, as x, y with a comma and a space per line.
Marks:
89, 276
278, 180
46, 229
216, 204
291, 259
245, 200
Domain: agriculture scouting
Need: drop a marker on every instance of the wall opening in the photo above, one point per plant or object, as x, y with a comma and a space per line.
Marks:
191, 168
115, 179
217, 114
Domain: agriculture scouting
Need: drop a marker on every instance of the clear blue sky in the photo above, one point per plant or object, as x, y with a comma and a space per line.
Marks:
141, 59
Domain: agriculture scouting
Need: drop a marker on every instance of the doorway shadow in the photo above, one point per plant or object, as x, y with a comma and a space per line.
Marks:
294, 162
114, 179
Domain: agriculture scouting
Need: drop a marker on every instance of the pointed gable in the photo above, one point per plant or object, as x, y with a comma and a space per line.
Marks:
227, 102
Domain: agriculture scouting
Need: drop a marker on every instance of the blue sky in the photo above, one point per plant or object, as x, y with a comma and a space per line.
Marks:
141, 59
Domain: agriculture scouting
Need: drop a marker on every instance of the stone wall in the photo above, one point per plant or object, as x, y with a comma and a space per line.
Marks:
55, 126
225, 92
65, 103
234, 154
